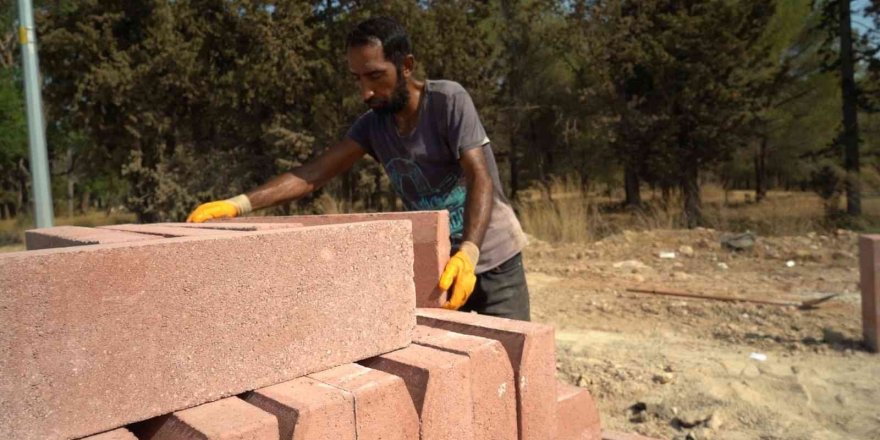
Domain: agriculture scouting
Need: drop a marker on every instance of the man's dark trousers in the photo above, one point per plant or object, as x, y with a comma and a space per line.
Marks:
502, 292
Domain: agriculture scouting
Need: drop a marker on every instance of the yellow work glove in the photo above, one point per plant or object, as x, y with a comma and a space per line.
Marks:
238, 205
460, 269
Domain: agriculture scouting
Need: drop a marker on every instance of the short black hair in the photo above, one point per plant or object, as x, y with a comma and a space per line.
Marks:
385, 31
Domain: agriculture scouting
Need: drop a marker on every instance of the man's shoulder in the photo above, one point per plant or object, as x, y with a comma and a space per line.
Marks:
445, 87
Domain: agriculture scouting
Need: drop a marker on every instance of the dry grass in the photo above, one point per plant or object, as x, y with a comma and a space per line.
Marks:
563, 212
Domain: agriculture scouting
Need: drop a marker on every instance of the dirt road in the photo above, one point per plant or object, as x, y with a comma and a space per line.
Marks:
677, 368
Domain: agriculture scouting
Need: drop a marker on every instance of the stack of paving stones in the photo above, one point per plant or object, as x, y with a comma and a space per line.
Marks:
302, 327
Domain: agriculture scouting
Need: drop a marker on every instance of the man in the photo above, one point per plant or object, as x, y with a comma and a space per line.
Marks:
429, 138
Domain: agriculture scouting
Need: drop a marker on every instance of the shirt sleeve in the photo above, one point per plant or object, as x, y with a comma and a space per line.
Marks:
465, 131
360, 132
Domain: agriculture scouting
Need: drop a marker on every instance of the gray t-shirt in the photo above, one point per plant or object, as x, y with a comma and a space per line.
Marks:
424, 166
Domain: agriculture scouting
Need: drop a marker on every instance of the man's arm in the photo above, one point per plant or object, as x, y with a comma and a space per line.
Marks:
478, 205
289, 186
302, 180
459, 270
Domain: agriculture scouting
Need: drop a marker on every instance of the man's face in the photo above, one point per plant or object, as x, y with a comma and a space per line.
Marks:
382, 84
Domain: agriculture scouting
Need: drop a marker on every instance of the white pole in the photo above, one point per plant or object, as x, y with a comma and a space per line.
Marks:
39, 158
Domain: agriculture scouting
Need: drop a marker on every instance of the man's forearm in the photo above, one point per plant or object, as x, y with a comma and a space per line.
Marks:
478, 208
283, 188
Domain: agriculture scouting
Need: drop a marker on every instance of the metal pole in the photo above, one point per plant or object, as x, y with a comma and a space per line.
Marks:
39, 158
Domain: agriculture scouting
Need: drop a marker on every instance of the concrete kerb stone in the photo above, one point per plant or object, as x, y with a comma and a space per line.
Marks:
67, 236
308, 409
439, 385
869, 280
155, 326
116, 434
229, 226
384, 409
431, 246
167, 231
616, 435
577, 415
225, 419
531, 350
492, 383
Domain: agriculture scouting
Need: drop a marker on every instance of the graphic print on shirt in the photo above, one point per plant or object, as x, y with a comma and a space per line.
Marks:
418, 195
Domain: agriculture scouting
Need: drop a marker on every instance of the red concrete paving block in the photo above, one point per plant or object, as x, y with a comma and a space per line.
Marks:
492, 385
431, 245
577, 415
233, 226
869, 268
531, 349
440, 386
66, 236
615, 435
308, 409
116, 434
167, 231
226, 419
97, 337
384, 409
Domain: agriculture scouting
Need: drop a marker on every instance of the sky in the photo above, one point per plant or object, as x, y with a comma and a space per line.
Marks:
860, 22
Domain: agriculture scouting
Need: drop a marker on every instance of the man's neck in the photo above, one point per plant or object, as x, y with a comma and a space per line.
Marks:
407, 117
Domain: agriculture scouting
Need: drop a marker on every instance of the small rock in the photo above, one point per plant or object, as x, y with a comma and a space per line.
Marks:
686, 251
714, 421
633, 266
842, 255
637, 278
641, 417
692, 418
751, 371
738, 242
723, 266
680, 276
583, 382
663, 378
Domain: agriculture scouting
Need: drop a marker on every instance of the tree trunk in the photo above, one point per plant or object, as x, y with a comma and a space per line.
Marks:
850, 136
761, 170
631, 186
690, 191
514, 168
71, 184
85, 202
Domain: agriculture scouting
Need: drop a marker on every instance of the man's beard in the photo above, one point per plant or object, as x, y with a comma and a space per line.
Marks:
399, 98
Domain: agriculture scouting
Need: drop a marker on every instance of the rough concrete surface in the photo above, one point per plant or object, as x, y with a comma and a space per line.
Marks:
308, 409
116, 434
100, 336
67, 236
869, 265
384, 409
577, 414
430, 243
492, 384
440, 386
225, 419
531, 349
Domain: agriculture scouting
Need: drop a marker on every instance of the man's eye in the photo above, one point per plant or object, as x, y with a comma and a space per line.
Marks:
375, 75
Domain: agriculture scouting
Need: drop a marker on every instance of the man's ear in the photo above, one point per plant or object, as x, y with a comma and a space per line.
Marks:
409, 63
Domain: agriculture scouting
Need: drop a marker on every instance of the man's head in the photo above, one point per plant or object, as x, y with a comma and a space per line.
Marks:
381, 61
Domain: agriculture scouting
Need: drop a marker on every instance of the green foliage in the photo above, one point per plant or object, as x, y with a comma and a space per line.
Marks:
161, 105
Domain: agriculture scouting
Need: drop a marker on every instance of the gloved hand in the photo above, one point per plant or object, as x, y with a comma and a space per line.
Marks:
238, 205
460, 269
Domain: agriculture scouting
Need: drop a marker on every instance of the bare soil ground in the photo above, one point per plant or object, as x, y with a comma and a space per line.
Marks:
685, 369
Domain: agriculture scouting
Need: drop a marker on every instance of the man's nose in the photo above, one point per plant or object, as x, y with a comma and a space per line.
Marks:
366, 92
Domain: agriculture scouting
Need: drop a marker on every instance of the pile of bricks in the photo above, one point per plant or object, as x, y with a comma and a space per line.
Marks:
304, 327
